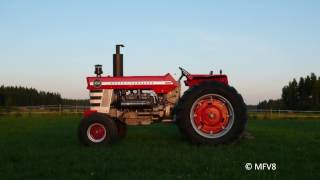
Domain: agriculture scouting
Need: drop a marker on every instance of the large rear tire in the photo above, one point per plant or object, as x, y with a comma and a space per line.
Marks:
211, 113
97, 130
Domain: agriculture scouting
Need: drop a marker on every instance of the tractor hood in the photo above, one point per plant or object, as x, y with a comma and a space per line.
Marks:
159, 84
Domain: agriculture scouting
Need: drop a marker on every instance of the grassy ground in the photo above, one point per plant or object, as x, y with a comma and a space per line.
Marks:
46, 147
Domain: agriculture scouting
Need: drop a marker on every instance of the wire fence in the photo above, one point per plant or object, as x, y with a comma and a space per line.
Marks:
70, 109
281, 111
44, 109
282, 114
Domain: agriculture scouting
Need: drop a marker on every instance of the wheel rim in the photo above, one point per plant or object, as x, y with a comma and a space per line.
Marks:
212, 116
96, 132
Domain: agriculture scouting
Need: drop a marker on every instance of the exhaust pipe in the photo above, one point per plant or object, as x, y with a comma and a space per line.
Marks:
118, 62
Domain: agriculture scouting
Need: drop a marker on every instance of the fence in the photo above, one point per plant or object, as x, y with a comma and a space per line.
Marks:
282, 114
69, 109
43, 109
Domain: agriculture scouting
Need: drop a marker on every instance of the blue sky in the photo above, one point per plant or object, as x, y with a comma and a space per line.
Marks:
261, 45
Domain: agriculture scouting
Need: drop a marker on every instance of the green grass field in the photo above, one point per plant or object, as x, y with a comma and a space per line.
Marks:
46, 147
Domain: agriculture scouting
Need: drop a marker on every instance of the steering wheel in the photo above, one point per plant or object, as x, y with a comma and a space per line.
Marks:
184, 73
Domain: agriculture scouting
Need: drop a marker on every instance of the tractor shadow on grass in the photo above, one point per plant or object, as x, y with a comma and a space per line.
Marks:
167, 135
246, 135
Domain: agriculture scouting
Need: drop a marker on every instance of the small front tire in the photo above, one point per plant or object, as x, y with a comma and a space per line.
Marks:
97, 130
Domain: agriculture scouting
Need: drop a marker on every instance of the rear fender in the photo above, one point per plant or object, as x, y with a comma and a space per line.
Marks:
193, 80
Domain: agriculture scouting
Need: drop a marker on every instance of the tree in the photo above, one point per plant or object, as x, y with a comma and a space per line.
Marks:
304, 95
22, 96
290, 95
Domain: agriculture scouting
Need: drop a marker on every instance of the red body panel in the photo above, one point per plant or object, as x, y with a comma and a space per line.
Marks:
159, 84
193, 80
88, 112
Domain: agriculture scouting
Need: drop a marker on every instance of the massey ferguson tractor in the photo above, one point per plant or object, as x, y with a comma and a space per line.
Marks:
209, 112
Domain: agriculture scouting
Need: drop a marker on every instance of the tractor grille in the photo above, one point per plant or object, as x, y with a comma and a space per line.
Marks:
96, 98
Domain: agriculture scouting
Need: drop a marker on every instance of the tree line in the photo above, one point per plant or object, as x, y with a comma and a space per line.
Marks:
297, 95
23, 96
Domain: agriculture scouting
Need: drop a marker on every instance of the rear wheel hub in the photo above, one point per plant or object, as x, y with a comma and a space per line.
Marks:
212, 116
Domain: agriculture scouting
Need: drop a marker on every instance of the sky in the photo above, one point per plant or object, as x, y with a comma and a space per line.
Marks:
260, 45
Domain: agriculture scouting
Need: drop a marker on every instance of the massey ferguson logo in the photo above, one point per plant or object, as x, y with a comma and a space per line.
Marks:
97, 83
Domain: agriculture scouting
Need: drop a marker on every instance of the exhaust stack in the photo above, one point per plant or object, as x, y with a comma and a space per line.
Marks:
118, 62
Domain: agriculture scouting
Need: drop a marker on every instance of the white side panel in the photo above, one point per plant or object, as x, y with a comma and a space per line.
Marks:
101, 109
106, 99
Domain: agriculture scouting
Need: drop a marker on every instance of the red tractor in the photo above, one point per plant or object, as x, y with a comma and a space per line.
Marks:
209, 112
